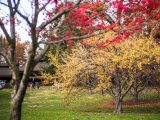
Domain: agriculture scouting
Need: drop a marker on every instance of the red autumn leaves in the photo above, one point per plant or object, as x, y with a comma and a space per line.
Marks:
129, 17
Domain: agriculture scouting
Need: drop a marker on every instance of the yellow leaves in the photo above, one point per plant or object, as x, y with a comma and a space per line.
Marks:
47, 78
53, 59
80, 62
140, 65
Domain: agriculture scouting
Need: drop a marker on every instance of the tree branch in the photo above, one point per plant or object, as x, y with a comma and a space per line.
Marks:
74, 38
4, 4
10, 6
56, 16
24, 17
109, 19
5, 31
16, 4
41, 54
127, 90
109, 92
58, 26
144, 85
43, 7
36, 9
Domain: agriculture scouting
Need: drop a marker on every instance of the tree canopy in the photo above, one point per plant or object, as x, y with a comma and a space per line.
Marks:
113, 69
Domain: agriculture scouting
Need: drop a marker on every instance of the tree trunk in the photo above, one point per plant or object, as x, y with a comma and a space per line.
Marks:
15, 112
135, 96
102, 91
16, 103
90, 90
118, 105
135, 87
17, 99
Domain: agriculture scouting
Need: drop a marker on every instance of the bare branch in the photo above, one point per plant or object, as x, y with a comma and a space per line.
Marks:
5, 31
58, 26
16, 4
41, 54
36, 9
127, 90
24, 17
4, 4
43, 7
14, 1
10, 6
109, 19
144, 85
56, 16
110, 92
75, 38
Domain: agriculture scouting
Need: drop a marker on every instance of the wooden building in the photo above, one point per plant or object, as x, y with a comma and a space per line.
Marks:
6, 75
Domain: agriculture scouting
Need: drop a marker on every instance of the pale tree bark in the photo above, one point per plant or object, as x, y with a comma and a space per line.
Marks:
118, 98
118, 105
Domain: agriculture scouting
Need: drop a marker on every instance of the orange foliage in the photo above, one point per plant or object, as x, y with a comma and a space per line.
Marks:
21, 48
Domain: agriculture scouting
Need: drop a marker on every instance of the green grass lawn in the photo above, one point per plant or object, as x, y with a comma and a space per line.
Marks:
48, 104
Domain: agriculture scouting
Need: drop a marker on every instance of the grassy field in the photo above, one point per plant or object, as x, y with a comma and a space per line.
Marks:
48, 104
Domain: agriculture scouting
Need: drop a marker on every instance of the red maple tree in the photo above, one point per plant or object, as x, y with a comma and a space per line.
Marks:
125, 17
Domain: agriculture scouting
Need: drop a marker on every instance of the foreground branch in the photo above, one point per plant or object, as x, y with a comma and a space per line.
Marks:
73, 38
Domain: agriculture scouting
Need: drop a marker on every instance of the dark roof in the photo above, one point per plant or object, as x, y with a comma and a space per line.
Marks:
2, 65
5, 71
37, 68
